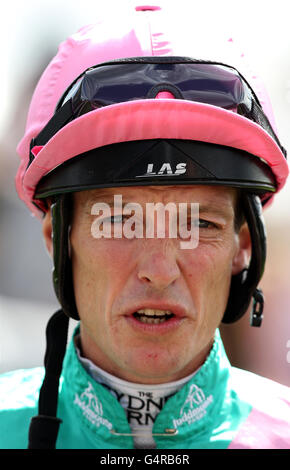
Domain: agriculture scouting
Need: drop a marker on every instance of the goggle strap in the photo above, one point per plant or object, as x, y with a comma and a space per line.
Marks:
57, 122
259, 117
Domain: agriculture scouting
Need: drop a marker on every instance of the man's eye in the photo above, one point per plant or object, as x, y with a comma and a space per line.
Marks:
201, 223
206, 224
115, 219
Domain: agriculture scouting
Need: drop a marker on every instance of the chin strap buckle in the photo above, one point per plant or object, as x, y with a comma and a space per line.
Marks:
257, 309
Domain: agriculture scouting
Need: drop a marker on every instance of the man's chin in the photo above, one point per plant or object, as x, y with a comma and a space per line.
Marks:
152, 366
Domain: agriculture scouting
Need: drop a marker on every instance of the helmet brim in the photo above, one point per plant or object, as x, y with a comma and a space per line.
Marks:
151, 119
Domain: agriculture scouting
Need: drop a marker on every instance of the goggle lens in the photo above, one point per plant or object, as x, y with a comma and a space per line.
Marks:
105, 85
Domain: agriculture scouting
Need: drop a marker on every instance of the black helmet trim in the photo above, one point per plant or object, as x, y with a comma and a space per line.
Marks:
159, 162
244, 285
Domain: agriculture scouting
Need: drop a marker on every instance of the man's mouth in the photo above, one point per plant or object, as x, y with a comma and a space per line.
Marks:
153, 316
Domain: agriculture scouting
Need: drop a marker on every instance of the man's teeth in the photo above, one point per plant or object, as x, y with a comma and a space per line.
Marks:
153, 311
150, 315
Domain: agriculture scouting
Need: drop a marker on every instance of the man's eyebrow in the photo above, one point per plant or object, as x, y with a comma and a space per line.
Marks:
110, 202
222, 210
99, 197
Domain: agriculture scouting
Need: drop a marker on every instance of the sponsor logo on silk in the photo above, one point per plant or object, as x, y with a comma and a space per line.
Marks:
194, 408
165, 170
91, 407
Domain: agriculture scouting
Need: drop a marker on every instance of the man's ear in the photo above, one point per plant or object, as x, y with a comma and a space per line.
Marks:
242, 256
47, 232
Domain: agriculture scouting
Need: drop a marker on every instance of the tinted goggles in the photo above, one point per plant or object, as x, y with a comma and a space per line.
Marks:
109, 84
143, 78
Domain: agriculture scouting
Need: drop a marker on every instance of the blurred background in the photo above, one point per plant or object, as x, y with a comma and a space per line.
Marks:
30, 32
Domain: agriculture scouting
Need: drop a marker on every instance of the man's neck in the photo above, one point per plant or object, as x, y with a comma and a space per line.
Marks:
90, 350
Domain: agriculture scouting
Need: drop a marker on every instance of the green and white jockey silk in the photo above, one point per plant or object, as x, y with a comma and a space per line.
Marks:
219, 407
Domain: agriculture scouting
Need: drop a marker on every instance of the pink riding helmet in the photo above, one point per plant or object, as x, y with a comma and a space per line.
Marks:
138, 34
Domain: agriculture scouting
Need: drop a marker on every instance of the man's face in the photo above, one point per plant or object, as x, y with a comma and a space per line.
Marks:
119, 282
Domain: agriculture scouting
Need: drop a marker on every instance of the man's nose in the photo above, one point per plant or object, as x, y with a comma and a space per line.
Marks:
158, 269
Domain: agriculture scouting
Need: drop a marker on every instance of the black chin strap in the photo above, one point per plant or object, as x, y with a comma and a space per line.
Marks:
44, 427
244, 285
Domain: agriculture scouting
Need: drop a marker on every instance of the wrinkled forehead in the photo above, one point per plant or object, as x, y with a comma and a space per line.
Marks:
206, 195
158, 191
